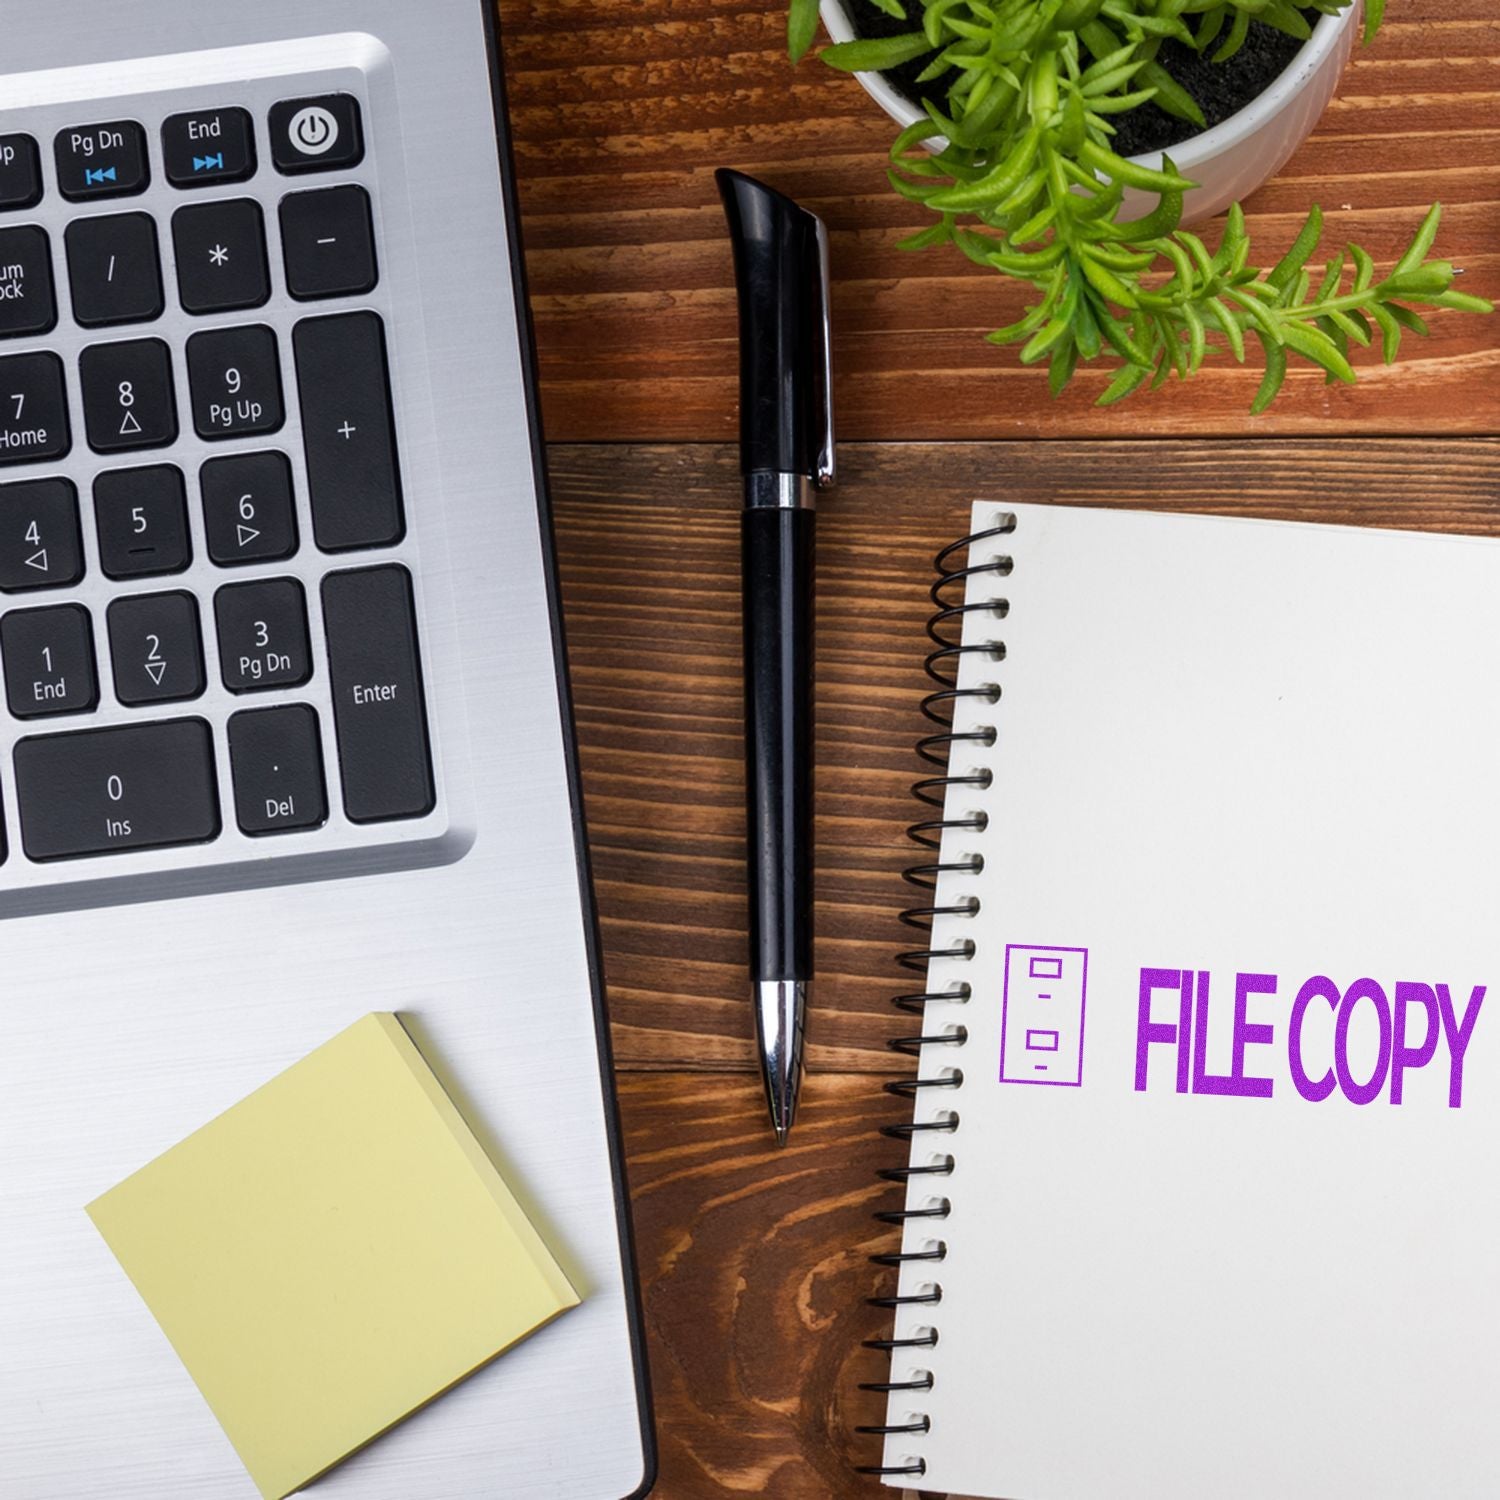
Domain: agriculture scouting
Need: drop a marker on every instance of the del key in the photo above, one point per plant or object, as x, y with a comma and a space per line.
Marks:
377, 695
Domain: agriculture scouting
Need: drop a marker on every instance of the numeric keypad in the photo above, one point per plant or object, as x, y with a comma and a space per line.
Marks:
100, 762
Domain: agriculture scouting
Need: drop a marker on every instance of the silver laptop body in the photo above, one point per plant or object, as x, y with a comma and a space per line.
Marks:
184, 911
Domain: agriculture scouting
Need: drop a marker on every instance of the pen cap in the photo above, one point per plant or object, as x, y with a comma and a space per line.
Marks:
781, 269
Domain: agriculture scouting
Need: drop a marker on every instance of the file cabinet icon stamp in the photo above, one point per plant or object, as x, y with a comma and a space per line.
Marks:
1041, 1030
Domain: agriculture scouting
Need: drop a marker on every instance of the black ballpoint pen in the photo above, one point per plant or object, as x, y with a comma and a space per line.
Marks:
786, 453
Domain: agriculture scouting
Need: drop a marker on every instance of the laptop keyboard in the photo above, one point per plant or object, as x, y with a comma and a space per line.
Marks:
212, 468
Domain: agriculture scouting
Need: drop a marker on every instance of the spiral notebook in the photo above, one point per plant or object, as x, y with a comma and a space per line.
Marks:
1203, 1204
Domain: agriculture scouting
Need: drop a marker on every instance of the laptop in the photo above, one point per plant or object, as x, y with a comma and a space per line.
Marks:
284, 728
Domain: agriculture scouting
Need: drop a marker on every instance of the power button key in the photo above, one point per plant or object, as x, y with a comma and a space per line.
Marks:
319, 134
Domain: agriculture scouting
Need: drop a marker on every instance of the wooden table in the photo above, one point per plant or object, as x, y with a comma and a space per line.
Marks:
753, 1259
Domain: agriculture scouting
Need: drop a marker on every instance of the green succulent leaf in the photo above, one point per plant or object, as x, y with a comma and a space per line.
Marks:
1422, 242
1390, 329
1312, 343
1239, 32
801, 27
873, 54
1285, 272
1171, 96
1228, 326
1275, 376
1125, 383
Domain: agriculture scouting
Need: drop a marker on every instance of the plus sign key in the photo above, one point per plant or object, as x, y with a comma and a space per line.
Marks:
102, 161
353, 478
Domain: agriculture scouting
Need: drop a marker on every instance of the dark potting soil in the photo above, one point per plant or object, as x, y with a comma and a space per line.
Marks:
1221, 89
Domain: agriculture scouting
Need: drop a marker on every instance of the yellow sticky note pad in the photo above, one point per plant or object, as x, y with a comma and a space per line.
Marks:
331, 1253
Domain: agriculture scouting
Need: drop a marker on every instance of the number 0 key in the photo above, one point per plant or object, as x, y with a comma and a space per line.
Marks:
110, 791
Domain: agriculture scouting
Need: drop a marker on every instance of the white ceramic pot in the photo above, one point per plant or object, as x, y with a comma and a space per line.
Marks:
1229, 161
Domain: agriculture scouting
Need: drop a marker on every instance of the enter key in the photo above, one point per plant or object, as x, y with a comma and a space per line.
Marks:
379, 711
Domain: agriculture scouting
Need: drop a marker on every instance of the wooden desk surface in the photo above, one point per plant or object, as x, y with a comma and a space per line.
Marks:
752, 1259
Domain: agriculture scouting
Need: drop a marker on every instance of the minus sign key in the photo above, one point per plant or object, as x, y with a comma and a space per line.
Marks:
328, 237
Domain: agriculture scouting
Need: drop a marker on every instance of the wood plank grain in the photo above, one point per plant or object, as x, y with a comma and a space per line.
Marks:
754, 1268
648, 542
623, 108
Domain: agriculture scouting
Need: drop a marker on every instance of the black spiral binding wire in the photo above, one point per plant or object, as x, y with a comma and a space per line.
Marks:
945, 630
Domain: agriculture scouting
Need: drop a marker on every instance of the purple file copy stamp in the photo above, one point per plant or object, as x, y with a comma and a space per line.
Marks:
1041, 1029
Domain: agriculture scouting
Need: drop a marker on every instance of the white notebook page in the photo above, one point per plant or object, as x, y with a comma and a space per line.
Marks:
1261, 761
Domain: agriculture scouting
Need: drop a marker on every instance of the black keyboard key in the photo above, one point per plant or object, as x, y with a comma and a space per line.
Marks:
354, 479
27, 301
20, 172
221, 256
33, 409
379, 711
141, 516
114, 269
263, 635
40, 543
157, 649
108, 791
276, 756
248, 511
235, 376
328, 240
208, 145
102, 161
317, 134
49, 661
129, 399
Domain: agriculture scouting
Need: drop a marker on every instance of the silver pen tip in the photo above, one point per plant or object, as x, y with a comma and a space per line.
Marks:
780, 1008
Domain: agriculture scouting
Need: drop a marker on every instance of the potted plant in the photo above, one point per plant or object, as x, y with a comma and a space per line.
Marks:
1014, 115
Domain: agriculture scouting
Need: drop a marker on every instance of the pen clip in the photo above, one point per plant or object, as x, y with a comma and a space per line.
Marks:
827, 467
